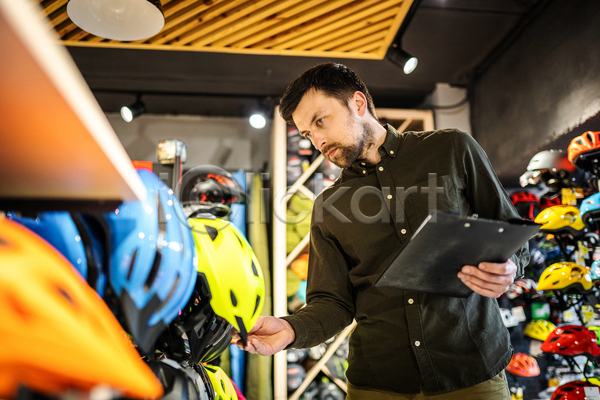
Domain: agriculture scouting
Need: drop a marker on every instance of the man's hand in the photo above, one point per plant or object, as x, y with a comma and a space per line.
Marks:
489, 279
268, 336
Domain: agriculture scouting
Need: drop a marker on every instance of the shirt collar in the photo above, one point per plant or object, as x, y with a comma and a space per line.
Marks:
391, 143
390, 148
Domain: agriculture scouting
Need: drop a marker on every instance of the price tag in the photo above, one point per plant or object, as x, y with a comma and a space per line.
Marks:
569, 197
585, 251
588, 313
535, 348
569, 316
540, 310
592, 393
519, 313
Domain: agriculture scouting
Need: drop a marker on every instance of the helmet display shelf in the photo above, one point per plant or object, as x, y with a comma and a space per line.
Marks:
403, 120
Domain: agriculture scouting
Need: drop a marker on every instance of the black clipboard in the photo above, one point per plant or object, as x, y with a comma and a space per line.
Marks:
431, 259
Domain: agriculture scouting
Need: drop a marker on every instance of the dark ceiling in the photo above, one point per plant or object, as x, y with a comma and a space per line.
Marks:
453, 40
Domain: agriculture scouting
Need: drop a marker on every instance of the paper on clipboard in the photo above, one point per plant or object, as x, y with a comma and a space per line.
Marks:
431, 259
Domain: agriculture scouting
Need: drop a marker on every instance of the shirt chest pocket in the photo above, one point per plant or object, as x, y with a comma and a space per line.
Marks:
437, 193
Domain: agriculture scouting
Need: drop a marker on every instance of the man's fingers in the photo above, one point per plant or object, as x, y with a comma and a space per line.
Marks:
257, 325
494, 287
482, 290
254, 346
486, 275
507, 268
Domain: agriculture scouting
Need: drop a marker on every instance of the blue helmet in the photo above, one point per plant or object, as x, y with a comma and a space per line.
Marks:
153, 261
76, 237
595, 270
589, 211
58, 229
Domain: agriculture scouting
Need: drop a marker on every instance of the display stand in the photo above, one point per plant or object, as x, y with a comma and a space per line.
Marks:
403, 120
58, 150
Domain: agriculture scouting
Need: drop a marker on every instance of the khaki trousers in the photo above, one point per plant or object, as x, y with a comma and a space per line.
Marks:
493, 389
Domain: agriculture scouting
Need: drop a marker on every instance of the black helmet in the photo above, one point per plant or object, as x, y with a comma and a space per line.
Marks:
181, 383
208, 335
210, 189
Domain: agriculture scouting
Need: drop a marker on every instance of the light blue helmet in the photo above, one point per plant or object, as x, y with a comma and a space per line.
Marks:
595, 270
589, 211
153, 261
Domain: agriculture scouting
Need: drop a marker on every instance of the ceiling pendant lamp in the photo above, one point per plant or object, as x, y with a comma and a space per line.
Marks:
118, 19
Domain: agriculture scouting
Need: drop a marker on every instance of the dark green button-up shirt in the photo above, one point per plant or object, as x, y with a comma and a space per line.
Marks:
405, 341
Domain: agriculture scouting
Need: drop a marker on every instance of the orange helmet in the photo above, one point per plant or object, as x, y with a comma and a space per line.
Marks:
587, 142
56, 332
523, 365
300, 266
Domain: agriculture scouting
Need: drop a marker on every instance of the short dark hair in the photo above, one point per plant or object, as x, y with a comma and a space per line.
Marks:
333, 79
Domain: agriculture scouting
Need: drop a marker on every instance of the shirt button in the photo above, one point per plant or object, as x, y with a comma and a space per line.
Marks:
362, 163
364, 171
403, 231
389, 196
417, 343
381, 168
410, 301
391, 151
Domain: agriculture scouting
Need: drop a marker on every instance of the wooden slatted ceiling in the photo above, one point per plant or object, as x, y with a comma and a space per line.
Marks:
314, 28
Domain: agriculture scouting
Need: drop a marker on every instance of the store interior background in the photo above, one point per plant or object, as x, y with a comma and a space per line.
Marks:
528, 67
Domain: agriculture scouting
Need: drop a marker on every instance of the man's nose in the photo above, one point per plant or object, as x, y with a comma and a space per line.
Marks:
318, 141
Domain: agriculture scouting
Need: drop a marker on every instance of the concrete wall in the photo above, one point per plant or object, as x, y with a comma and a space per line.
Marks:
229, 143
445, 95
546, 84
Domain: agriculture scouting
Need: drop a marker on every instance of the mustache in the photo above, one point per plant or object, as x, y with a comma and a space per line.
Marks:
328, 148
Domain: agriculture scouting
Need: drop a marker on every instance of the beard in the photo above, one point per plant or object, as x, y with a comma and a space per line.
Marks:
346, 155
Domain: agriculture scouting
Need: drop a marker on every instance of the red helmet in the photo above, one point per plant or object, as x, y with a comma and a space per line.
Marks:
524, 196
549, 201
572, 340
523, 365
573, 391
526, 203
588, 142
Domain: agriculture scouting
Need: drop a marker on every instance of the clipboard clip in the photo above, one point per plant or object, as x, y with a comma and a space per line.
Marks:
472, 216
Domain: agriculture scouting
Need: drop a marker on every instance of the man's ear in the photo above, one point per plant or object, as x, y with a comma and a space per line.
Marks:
359, 102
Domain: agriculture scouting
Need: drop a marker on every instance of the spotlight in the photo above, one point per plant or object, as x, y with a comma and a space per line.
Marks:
401, 58
128, 113
118, 19
257, 121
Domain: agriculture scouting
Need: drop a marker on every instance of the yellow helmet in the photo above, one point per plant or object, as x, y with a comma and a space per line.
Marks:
594, 380
558, 219
565, 275
235, 279
594, 328
539, 329
222, 385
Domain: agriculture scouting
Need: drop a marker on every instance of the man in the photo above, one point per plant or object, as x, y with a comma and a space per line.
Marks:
407, 345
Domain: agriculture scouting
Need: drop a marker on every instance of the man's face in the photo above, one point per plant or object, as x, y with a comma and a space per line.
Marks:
334, 129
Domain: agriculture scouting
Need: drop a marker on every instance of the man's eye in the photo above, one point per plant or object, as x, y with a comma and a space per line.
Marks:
320, 121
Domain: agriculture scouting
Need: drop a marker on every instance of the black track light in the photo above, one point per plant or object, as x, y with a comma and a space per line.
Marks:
402, 58
128, 113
